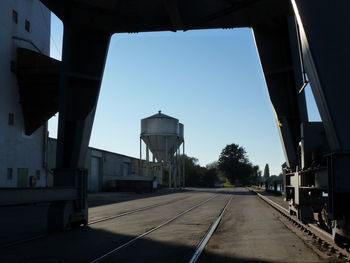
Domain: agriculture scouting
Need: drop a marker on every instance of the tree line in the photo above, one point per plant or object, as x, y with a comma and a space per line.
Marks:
233, 166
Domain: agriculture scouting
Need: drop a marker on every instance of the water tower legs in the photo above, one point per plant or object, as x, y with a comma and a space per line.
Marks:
170, 168
183, 164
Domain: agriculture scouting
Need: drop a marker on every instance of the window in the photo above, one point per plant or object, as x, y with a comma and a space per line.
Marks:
11, 120
121, 169
9, 174
129, 168
14, 16
22, 177
27, 26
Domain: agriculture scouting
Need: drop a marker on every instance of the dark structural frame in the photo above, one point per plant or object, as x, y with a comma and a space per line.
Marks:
299, 42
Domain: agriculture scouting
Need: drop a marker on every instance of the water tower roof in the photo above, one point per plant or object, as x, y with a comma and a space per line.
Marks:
160, 115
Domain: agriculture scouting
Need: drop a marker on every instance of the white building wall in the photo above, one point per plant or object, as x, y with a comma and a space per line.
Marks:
111, 167
18, 151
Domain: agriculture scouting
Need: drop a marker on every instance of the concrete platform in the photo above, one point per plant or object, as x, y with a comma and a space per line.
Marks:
279, 199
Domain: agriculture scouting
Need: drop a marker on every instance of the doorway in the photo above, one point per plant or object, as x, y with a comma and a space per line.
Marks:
95, 174
22, 174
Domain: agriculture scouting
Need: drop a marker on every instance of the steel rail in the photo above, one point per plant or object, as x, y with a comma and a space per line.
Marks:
323, 237
133, 240
22, 241
106, 218
209, 234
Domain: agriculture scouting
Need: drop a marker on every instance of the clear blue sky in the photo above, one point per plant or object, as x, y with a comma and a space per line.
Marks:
211, 80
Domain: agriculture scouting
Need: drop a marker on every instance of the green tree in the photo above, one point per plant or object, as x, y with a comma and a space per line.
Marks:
255, 175
212, 165
234, 163
210, 176
197, 175
266, 171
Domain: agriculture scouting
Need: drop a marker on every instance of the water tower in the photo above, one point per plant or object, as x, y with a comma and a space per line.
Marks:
163, 136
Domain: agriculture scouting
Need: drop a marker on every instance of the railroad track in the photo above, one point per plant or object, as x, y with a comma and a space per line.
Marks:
323, 238
200, 247
99, 220
106, 218
209, 234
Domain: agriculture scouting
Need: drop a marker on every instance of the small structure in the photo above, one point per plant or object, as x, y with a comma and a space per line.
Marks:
163, 136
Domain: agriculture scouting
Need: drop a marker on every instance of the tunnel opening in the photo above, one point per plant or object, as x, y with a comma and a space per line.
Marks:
208, 81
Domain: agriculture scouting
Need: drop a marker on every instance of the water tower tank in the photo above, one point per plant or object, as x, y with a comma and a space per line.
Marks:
181, 134
161, 133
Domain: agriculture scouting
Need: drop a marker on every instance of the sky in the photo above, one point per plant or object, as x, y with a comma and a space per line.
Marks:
211, 80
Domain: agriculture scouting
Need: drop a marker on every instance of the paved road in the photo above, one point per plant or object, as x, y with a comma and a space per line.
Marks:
22, 222
250, 232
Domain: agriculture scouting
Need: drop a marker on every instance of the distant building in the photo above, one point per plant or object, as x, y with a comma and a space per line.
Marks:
107, 170
23, 24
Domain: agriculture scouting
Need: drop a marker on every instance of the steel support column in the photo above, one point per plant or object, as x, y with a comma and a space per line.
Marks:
183, 164
83, 61
281, 72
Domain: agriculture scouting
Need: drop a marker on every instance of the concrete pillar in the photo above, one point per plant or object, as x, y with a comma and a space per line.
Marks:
147, 161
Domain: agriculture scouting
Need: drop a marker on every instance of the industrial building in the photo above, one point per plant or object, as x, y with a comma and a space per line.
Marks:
163, 135
23, 24
29, 78
107, 170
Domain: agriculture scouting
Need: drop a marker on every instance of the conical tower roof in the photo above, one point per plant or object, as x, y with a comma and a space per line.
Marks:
160, 115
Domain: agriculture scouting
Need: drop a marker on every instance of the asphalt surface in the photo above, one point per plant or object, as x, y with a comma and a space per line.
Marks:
250, 231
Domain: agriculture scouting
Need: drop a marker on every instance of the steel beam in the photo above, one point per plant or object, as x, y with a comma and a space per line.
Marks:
281, 74
83, 61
